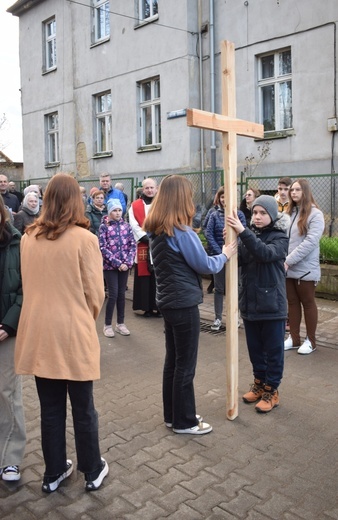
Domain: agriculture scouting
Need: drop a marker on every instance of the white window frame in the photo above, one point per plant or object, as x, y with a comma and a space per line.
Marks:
150, 113
101, 21
280, 85
52, 138
49, 36
103, 123
153, 10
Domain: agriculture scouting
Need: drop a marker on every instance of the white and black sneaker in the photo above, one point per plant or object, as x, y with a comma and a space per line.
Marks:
51, 484
95, 479
11, 473
216, 325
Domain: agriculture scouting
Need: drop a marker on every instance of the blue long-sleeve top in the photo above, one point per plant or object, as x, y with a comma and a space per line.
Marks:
189, 245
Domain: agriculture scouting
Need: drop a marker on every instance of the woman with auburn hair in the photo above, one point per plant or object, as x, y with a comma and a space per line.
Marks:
12, 431
57, 340
179, 258
302, 265
250, 196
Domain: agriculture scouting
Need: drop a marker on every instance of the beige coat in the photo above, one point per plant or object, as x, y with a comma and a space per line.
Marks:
63, 294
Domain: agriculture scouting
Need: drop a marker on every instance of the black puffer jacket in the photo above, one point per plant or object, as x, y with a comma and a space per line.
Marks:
262, 292
10, 281
178, 286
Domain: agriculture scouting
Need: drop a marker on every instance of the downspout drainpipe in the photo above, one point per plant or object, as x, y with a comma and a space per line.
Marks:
200, 51
333, 179
212, 93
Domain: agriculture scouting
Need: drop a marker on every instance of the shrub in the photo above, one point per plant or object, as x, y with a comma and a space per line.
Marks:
329, 250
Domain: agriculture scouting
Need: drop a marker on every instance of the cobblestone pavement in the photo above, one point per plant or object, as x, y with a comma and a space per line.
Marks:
283, 465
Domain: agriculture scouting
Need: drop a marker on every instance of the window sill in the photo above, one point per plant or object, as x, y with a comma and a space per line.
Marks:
47, 71
278, 134
102, 155
149, 148
52, 165
146, 21
104, 40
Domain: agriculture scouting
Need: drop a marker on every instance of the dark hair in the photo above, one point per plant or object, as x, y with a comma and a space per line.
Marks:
62, 207
285, 180
172, 207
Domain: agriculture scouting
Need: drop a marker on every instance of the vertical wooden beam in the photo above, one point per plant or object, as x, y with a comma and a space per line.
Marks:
229, 142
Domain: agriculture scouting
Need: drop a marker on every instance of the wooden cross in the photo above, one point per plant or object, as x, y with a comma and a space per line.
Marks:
230, 128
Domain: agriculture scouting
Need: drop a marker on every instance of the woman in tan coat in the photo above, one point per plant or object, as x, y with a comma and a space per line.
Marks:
57, 340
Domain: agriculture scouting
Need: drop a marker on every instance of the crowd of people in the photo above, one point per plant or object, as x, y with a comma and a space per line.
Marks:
85, 246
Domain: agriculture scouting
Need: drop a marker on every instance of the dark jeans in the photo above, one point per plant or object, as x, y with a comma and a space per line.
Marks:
182, 328
265, 340
116, 284
53, 402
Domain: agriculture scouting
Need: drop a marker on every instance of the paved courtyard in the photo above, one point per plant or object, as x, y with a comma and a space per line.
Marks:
283, 465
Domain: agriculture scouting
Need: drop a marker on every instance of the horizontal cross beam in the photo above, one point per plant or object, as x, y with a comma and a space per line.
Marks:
219, 123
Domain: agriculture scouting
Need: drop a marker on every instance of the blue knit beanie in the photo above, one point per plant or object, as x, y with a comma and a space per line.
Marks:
113, 204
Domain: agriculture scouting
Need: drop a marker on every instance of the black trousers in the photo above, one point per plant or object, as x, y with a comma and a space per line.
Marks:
53, 402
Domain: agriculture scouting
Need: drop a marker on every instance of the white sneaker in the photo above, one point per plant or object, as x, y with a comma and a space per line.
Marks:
288, 343
108, 331
122, 329
216, 325
200, 429
306, 348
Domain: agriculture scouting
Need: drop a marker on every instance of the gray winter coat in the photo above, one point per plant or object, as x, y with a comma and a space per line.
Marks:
303, 253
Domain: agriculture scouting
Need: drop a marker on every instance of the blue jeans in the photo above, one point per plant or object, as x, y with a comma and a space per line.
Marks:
265, 341
116, 284
53, 402
182, 328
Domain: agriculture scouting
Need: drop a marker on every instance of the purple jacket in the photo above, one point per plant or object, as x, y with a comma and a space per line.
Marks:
117, 243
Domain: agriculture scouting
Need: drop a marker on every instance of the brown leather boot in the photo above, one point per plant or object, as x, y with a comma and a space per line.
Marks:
270, 399
255, 393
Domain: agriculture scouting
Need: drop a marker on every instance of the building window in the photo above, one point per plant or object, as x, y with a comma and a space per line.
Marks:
147, 9
101, 20
50, 45
275, 90
103, 123
150, 112
52, 138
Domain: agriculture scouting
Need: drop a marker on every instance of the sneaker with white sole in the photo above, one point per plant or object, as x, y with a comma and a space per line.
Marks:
108, 331
122, 329
288, 343
200, 429
94, 480
306, 347
11, 473
170, 425
51, 484
216, 325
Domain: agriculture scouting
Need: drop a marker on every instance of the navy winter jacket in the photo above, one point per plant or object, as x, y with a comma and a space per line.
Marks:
262, 253
214, 231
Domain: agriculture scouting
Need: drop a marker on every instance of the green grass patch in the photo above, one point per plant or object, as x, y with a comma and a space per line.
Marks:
329, 250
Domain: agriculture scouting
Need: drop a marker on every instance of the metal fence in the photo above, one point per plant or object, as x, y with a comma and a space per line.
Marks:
324, 188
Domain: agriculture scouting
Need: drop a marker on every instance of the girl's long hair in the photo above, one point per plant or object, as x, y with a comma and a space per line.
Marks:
4, 219
305, 206
173, 206
62, 208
